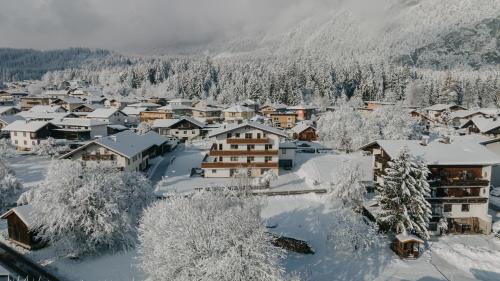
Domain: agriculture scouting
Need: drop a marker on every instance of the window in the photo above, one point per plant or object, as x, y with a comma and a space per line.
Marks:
248, 135
465, 207
15, 134
250, 147
268, 159
25, 142
185, 132
214, 171
229, 135
250, 159
24, 134
268, 146
16, 142
237, 135
220, 146
220, 158
258, 135
447, 208
234, 146
193, 132
234, 158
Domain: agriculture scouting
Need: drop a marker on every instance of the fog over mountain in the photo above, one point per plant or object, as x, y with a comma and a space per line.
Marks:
366, 28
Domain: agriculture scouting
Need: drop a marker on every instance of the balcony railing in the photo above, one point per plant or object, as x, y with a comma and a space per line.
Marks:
98, 157
235, 165
247, 140
458, 182
243, 152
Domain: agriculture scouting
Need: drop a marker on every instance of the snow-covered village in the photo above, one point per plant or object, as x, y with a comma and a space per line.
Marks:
235, 140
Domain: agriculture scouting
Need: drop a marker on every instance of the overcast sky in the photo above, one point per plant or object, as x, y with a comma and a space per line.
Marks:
142, 24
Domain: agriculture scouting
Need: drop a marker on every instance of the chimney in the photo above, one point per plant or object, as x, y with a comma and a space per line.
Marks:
424, 140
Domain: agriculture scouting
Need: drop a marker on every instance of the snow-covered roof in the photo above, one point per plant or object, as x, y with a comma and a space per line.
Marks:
442, 107
232, 127
238, 108
43, 115
248, 102
126, 143
72, 100
460, 152
103, 112
55, 93
144, 104
463, 113
25, 126
287, 145
180, 101
134, 110
82, 122
171, 107
405, 237
275, 106
47, 108
300, 127
4, 109
24, 212
484, 124
7, 119
167, 123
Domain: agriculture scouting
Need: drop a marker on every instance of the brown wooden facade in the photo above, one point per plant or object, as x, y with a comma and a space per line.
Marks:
308, 134
18, 231
150, 116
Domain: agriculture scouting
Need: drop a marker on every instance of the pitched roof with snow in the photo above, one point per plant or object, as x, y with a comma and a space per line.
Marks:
4, 109
103, 112
459, 152
24, 212
81, 122
144, 104
232, 127
484, 124
170, 107
134, 110
47, 108
167, 123
302, 126
7, 119
442, 107
126, 143
43, 115
238, 108
25, 126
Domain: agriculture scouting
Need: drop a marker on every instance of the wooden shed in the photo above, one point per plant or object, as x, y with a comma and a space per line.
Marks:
20, 224
407, 246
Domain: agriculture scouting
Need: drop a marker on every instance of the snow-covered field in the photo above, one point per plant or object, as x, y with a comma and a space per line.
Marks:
31, 170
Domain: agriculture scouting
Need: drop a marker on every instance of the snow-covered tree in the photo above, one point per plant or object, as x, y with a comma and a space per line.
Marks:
6, 149
266, 178
341, 129
86, 209
209, 236
143, 128
443, 225
402, 197
50, 147
352, 232
348, 188
10, 186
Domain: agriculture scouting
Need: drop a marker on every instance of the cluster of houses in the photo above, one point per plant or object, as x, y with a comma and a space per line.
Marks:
255, 139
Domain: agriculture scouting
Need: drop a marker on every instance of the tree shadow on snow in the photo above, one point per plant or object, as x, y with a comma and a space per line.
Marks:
485, 275
313, 225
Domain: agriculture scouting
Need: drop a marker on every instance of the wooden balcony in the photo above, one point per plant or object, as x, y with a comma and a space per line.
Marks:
98, 157
459, 200
236, 165
458, 182
243, 153
247, 141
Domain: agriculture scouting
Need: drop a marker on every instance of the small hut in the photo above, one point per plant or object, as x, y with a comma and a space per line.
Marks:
407, 246
20, 225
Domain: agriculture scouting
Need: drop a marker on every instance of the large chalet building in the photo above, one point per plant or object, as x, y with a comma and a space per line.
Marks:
459, 179
250, 148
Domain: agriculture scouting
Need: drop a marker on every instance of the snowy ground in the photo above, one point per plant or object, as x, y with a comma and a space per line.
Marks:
31, 170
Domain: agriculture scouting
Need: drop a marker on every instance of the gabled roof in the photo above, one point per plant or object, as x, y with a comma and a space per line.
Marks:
103, 112
144, 104
238, 108
47, 108
82, 122
134, 110
297, 107
72, 100
167, 123
25, 126
126, 143
443, 107
460, 152
483, 124
300, 127
404, 237
4, 109
229, 128
7, 119
24, 212
44, 115
171, 107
